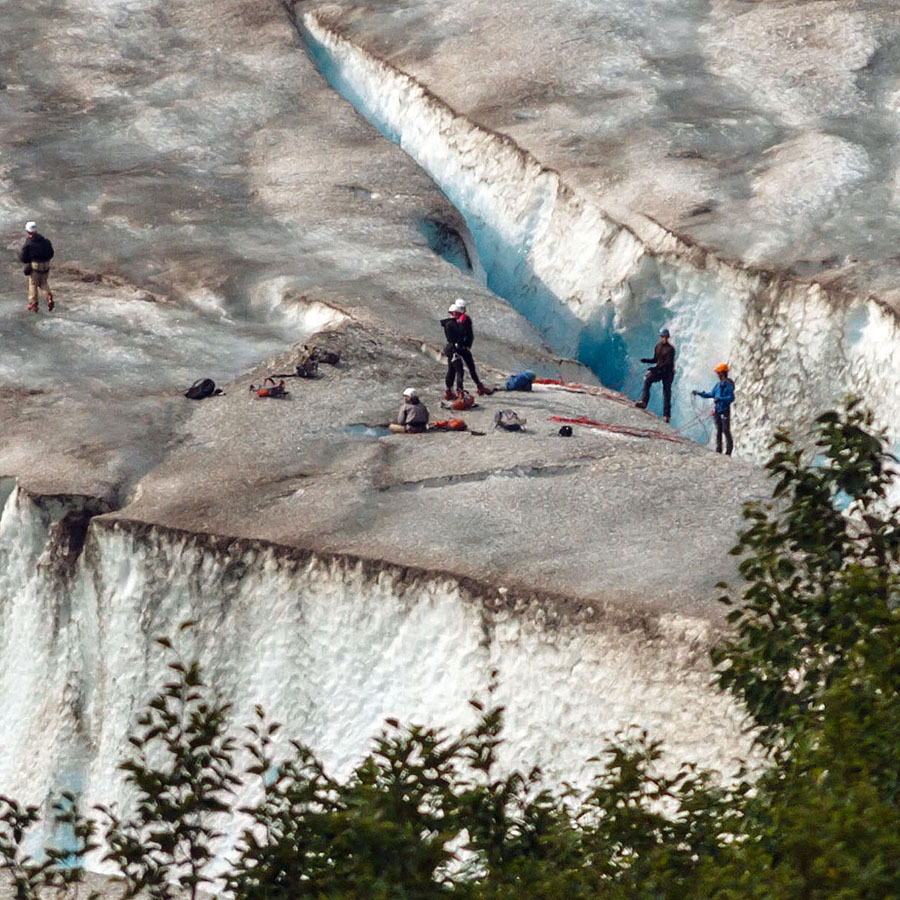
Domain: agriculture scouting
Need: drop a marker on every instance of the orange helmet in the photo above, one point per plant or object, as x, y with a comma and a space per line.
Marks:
721, 367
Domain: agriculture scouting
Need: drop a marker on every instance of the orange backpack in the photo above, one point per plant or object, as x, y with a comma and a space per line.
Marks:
449, 425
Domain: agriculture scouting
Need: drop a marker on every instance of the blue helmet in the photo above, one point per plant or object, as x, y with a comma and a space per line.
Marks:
663, 332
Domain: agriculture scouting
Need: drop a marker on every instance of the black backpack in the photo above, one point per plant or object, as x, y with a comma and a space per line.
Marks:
202, 387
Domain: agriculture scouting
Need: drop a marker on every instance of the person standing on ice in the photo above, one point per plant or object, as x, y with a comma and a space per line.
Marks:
36, 254
723, 394
465, 350
456, 334
413, 415
663, 369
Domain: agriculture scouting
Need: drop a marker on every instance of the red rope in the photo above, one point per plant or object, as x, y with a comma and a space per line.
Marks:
575, 388
649, 433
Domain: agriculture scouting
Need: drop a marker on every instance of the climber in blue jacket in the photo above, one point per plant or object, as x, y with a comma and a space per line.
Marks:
723, 394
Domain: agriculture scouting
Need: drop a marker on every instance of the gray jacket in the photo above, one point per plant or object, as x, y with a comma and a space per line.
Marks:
413, 414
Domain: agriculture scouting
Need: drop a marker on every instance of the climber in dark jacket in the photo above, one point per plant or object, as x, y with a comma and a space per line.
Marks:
465, 320
36, 253
460, 337
663, 363
455, 333
723, 394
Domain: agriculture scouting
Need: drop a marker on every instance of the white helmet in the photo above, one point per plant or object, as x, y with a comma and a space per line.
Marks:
460, 304
31, 227
410, 392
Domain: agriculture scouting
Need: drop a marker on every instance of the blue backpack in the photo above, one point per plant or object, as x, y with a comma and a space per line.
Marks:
520, 382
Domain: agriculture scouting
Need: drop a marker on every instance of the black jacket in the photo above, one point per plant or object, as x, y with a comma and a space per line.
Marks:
455, 332
468, 334
663, 358
37, 249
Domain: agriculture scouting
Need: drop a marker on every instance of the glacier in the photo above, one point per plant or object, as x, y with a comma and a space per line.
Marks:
598, 290
216, 205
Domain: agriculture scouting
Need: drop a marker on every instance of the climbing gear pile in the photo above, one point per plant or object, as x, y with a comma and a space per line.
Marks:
521, 381
449, 425
509, 420
463, 401
270, 388
201, 389
321, 355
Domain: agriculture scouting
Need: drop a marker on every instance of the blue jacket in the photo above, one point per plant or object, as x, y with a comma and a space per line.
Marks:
723, 394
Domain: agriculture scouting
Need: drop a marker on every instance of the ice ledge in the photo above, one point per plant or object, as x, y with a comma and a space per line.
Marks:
330, 645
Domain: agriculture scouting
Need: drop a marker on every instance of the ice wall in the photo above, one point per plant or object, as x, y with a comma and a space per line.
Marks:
599, 291
330, 647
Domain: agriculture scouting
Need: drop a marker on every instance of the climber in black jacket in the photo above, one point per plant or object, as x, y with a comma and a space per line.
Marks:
663, 362
460, 336
36, 253
455, 333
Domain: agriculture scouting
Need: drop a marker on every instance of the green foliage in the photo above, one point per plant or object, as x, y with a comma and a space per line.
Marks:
813, 657
182, 771
815, 660
60, 868
821, 599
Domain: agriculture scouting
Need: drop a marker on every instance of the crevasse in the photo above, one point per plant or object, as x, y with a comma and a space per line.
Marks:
330, 647
599, 291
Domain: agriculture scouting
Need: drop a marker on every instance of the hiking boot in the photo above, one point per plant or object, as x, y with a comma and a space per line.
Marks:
449, 395
50, 303
640, 404
484, 391
33, 307
666, 419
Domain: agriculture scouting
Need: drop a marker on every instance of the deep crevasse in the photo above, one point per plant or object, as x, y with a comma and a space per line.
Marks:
328, 647
599, 291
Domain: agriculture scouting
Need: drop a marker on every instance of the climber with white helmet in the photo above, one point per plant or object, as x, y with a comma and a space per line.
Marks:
663, 363
412, 417
36, 253
723, 394
465, 350
455, 334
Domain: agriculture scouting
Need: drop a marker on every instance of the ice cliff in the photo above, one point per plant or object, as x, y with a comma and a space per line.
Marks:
329, 645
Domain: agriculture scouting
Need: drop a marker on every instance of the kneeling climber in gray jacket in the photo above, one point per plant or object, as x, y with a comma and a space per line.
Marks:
412, 417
